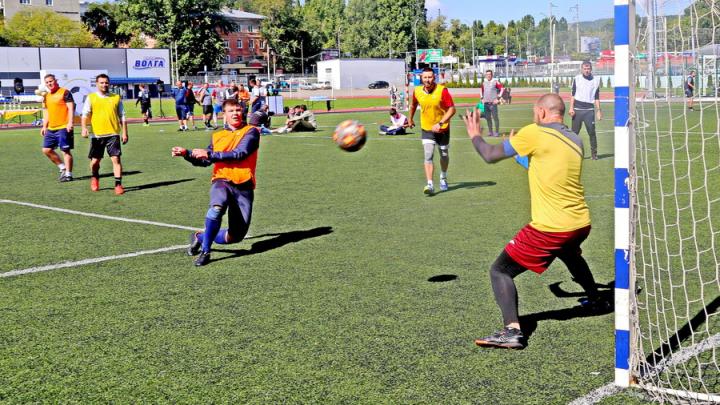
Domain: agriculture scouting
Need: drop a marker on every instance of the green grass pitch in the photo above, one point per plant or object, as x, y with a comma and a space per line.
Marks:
328, 301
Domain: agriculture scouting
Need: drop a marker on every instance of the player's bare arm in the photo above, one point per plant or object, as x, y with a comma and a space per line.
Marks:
71, 116
411, 118
83, 123
124, 132
445, 119
490, 153
46, 122
598, 111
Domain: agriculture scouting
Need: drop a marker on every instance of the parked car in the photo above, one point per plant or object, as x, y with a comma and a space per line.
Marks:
305, 86
322, 86
380, 84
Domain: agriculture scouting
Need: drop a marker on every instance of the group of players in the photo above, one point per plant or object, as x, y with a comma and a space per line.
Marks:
560, 217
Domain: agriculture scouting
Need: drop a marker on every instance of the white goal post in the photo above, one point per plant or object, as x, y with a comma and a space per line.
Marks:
667, 198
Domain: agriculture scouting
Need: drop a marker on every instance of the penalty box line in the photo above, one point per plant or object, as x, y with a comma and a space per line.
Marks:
90, 214
89, 261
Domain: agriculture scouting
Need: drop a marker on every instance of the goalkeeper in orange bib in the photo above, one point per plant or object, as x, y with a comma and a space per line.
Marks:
233, 154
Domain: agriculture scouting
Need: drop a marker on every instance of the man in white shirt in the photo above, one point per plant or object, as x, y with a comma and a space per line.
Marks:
399, 123
585, 104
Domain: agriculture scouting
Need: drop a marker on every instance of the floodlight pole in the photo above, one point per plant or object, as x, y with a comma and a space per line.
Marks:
417, 63
472, 32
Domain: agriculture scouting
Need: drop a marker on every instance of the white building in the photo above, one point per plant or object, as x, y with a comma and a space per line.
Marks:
359, 73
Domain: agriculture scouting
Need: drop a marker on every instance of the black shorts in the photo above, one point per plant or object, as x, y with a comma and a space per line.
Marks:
688, 93
440, 138
207, 110
144, 108
109, 143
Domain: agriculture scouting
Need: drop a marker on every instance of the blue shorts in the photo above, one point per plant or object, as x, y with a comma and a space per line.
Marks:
181, 111
217, 108
238, 200
59, 138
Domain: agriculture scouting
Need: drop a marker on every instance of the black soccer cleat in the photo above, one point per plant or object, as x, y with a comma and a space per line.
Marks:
195, 244
65, 179
507, 338
597, 306
202, 259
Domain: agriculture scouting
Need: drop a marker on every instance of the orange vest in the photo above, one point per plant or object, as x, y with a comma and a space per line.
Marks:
237, 172
58, 113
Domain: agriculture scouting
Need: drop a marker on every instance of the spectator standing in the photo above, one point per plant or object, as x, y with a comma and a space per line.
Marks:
491, 92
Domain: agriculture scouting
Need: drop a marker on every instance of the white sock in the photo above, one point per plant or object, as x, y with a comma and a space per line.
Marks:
430, 183
69, 174
61, 166
443, 175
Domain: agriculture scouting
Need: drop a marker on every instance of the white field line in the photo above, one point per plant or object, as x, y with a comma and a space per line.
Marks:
597, 395
89, 261
90, 214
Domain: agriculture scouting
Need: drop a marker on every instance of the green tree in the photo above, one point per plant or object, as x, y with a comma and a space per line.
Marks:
102, 19
194, 26
36, 26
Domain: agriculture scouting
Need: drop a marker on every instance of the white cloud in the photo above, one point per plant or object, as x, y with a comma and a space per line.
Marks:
432, 6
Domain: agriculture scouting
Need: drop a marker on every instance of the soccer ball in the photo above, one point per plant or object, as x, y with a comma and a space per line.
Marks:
350, 135
41, 91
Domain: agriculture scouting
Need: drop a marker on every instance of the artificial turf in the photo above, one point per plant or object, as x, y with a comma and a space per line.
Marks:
353, 286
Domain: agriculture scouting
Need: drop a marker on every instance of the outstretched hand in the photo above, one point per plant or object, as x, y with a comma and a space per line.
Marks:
178, 151
473, 123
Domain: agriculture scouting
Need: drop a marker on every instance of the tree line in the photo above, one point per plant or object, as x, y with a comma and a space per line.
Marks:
357, 28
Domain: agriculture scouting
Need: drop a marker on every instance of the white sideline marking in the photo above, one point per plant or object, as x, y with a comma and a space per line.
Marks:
88, 261
89, 214
597, 395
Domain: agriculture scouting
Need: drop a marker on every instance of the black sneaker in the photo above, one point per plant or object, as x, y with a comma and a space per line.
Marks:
202, 259
180, 130
597, 306
65, 179
508, 338
61, 175
195, 244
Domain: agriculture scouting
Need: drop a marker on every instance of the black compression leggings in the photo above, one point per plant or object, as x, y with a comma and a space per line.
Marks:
505, 269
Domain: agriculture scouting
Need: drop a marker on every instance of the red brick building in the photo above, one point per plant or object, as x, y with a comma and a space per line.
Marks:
245, 48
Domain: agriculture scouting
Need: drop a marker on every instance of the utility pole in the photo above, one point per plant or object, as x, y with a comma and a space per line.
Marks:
417, 63
472, 31
302, 58
576, 7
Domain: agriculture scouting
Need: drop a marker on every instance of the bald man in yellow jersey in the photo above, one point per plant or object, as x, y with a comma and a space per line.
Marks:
106, 114
560, 217
233, 153
57, 129
436, 110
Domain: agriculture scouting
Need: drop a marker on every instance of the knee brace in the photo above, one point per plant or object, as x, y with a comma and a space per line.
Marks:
429, 148
215, 213
444, 151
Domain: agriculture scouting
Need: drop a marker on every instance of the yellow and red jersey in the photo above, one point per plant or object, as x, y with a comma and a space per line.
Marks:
433, 106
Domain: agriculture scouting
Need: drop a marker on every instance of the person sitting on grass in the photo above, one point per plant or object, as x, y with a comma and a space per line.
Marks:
399, 123
261, 119
302, 122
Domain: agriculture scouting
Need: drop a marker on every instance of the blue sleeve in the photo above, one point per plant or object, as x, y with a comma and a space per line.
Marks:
509, 150
523, 161
249, 144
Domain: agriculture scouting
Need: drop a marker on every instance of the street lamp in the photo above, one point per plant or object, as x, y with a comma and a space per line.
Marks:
417, 63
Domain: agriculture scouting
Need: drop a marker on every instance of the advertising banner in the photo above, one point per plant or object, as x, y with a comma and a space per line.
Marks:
149, 63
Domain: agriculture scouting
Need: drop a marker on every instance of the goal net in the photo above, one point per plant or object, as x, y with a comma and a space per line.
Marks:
673, 184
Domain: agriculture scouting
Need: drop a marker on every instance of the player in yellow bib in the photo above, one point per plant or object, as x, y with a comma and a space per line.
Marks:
560, 217
436, 110
106, 114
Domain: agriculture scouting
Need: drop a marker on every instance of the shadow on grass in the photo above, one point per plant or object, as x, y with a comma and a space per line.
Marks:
442, 278
130, 173
604, 156
156, 184
277, 240
528, 323
470, 184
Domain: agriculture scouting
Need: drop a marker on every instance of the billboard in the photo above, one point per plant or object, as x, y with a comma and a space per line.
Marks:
79, 82
590, 45
149, 63
328, 54
429, 55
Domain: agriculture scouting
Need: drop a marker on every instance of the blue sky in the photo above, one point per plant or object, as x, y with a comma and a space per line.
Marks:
506, 10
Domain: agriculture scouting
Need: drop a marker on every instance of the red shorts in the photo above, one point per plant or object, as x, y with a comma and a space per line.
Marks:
535, 250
